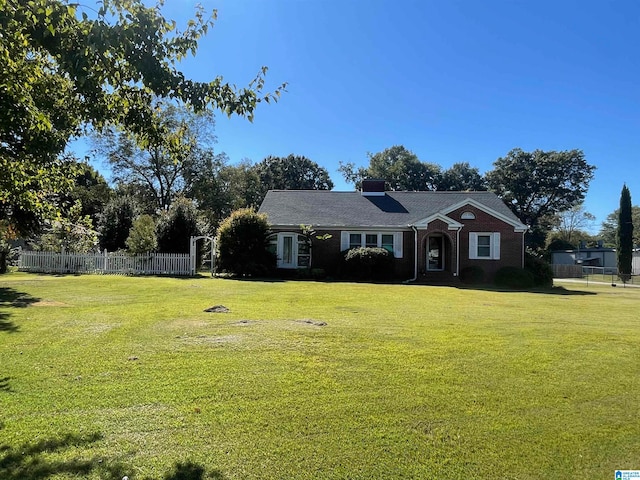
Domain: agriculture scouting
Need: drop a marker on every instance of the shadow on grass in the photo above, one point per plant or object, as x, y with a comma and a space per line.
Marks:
4, 384
545, 291
192, 471
11, 298
32, 461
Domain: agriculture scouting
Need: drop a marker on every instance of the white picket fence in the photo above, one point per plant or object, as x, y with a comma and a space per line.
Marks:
107, 263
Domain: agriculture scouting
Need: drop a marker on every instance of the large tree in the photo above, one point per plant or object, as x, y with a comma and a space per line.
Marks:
538, 185
293, 172
624, 245
163, 166
221, 188
609, 228
571, 225
90, 189
64, 66
399, 167
461, 177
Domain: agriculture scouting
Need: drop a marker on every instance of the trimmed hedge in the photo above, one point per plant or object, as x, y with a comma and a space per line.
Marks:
472, 275
540, 269
368, 263
514, 277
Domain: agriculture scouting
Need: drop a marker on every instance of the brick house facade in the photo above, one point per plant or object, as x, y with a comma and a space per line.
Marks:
430, 234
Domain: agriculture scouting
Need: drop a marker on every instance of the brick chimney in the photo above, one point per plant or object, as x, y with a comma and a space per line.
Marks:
373, 188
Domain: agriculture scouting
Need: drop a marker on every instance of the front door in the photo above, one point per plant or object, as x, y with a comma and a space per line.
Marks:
435, 253
287, 248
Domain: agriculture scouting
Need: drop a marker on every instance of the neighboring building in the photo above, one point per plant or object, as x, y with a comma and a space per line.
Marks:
604, 258
429, 233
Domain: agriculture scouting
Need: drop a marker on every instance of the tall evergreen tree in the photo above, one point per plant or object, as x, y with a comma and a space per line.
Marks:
625, 235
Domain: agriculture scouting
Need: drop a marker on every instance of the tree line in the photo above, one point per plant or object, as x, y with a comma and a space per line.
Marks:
112, 74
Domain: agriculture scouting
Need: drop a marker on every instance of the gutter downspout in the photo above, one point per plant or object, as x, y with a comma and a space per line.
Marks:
523, 249
458, 252
415, 255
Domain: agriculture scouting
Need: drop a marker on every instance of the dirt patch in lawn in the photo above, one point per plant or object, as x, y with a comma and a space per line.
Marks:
315, 323
48, 303
209, 339
100, 328
243, 323
217, 309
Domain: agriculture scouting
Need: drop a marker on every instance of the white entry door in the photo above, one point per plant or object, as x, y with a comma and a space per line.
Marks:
287, 250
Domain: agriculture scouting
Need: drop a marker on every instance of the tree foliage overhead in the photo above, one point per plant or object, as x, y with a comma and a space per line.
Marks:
90, 189
63, 68
537, 185
399, 167
624, 245
293, 172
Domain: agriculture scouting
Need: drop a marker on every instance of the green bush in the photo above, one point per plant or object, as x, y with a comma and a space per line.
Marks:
368, 263
176, 227
472, 275
514, 277
540, 269
242, 244
142, 236
115, 223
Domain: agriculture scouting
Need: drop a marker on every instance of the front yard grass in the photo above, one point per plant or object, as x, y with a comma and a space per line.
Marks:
105, 376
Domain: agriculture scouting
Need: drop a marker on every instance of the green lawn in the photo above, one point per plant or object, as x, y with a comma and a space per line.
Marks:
105, 376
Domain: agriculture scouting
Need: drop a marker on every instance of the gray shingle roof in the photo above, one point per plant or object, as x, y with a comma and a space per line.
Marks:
326, 208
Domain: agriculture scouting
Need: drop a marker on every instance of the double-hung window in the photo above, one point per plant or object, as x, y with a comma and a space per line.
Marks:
484, 245
355, 240
391, 241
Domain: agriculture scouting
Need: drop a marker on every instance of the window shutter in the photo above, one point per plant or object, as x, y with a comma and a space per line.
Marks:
473, 245
495, 245
397, 244
344, 241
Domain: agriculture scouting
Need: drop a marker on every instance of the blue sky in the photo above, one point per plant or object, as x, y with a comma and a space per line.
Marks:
453, 81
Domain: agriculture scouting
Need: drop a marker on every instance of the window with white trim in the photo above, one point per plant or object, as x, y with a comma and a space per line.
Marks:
484, 245
390, 241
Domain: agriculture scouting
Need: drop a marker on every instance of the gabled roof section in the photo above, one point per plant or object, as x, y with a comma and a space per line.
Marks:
511, 219
451, 223
331, 209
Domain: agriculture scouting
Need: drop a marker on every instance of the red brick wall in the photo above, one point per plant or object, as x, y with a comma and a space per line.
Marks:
327, 253
510, 241
328, 256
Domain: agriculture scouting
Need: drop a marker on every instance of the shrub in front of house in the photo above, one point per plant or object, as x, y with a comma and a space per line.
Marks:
514, 277
472, 275
242, 244
540, 269
368, 263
